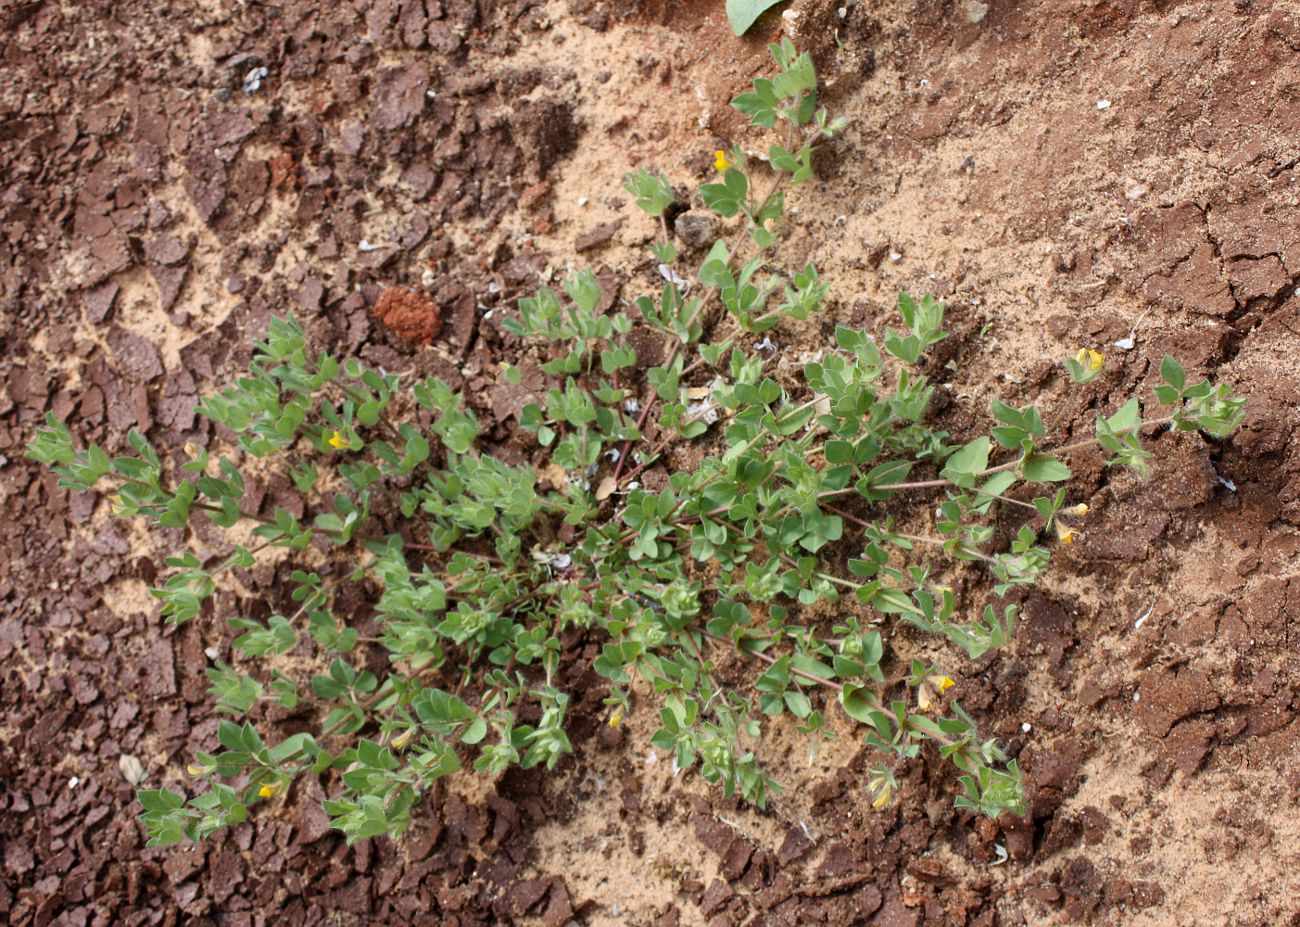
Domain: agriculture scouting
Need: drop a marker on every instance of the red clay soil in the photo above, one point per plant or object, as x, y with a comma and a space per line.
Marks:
157, 208
412, 316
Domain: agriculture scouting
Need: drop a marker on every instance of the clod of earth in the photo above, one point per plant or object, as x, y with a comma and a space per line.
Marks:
412, 316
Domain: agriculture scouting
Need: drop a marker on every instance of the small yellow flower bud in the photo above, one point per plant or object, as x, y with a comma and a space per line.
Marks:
884, 791
190, 449
1081, 509
402, 739
1065, 534
337, 440
269, 789
617, 717
195, 770
720, 160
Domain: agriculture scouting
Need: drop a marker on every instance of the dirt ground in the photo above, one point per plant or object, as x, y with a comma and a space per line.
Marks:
1064, 173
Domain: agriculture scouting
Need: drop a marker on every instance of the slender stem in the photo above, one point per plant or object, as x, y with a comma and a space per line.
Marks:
847, 517
922, 539
361, 400
769, 659
640, 423
915, 484
836, 493
695, 649
1023, 505
1011, 464
846, 583
429, 548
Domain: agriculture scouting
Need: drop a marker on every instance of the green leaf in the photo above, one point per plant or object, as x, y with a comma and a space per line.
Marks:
744, 13
962, 466
859, 703
161, 800
653, 194
726, 198
798, 703
1172, 373
1043, 468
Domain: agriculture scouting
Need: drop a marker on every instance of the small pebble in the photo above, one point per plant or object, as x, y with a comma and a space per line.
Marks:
253, 80
1103, 104
132, 769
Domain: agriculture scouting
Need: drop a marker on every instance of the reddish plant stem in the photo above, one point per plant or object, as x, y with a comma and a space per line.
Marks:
769, 660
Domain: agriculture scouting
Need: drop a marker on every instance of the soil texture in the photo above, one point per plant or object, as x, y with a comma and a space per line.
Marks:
1117, 174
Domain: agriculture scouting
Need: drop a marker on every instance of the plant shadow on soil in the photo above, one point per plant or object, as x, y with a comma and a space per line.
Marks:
1062, 172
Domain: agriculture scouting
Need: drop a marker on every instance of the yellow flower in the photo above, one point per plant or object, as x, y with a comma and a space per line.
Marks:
720, 160
1065, 534
337, 440
1090, 358
269, 789
1081, 509
402, 739
195, 770
931, 687
617, 717
884, 791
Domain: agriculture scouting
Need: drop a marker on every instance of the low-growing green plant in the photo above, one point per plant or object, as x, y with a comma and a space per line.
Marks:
742, 14
484, 569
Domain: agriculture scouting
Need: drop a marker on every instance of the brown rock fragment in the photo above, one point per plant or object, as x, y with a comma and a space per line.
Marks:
715, 896
138, 358
412, 316
597, 237
98, 302
795, 845
165, 249
398, 96
169, 280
